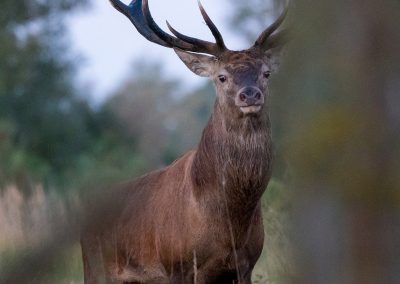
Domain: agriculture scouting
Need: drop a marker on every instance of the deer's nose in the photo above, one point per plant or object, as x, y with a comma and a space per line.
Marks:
250, 96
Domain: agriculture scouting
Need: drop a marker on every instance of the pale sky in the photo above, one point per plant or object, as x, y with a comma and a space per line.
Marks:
109, 43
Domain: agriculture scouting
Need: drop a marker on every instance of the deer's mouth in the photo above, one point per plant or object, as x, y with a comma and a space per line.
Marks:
250, 109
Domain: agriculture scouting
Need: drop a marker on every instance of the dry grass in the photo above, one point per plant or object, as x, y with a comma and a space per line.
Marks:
28, 226
26, 221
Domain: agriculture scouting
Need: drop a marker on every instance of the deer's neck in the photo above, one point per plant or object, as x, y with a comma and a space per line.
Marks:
233, 161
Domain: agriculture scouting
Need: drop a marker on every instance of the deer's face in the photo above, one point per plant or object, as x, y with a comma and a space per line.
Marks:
240, 78
241, 82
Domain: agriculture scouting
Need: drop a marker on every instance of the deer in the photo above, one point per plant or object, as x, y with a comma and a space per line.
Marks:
199, 219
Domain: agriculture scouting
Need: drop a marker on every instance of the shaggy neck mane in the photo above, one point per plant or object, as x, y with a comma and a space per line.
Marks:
233, 161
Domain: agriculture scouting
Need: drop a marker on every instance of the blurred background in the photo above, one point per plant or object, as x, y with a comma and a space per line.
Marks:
86, 102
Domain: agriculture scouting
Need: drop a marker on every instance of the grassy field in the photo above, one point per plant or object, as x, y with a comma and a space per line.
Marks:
28, 223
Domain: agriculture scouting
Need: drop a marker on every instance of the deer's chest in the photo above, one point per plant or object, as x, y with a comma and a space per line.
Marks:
205, 250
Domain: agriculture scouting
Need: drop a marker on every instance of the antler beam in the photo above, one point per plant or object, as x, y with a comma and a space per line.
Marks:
134, 13
139, 14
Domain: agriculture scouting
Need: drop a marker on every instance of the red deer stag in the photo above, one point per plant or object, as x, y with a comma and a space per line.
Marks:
199, 219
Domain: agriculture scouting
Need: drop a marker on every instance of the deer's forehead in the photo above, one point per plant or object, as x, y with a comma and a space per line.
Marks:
242, 63
243, 67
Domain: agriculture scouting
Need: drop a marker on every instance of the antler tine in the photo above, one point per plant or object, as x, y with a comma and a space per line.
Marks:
134, 13
213, 28
181, 41
209, 47
121, 7
272, 28
170, 40
203, 46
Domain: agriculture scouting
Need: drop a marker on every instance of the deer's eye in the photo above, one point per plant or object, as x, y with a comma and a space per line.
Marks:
267, 74
222, 78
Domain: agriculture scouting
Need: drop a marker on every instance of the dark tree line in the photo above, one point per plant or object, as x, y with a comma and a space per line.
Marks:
37, 94
49, 133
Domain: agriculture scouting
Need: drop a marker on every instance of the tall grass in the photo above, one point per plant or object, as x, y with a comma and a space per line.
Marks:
24, 221
31, 222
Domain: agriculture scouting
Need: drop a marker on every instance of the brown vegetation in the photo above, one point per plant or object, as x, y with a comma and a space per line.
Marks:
25, 221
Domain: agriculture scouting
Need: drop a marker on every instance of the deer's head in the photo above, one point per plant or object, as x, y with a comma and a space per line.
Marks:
240, 77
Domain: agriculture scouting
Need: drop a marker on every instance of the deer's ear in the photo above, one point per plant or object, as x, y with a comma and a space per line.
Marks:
199, 64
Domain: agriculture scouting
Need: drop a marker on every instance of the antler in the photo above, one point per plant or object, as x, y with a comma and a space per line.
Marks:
139, 14
134, 13
267, 39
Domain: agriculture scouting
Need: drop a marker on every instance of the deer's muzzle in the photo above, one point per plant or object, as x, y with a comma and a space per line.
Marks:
250, 100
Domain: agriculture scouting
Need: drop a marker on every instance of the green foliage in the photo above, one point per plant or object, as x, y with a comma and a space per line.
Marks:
20, 12
67, 269
40, 110
188, 118
139, 109
50, 135
159, 118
